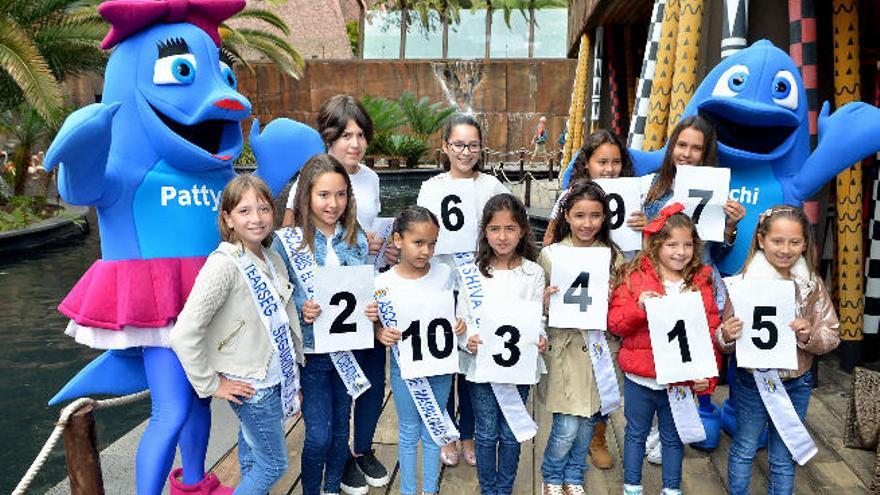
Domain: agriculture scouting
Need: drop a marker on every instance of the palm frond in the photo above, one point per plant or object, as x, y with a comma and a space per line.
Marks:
21, 59
239, 59
260, 41
266, 16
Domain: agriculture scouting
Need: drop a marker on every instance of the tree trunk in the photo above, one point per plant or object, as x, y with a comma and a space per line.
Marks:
22, 159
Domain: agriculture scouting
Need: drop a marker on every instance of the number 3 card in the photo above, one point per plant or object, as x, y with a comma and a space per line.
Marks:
624, 197
680, 338
428, 344
582, 275
703, 192
509, 352
343, 293
766, 308
454, 203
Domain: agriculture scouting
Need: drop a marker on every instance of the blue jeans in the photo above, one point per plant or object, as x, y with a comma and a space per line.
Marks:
565, 457
326, 411
640, 405
178, 418
262, 449
497, 449
368, 406
751, 419
465, 419
411, 429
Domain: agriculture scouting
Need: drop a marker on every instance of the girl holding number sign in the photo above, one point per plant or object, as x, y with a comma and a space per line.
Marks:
669, 262
415, 235
325, 221
782, 249
506, 260
227, 344
570, 390
462, 144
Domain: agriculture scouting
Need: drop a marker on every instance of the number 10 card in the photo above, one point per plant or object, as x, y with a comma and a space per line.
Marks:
582, 276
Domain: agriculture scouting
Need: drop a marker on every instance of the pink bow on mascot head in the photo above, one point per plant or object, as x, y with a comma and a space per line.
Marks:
127, 17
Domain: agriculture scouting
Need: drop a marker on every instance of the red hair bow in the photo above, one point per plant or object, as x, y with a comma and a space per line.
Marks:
128, 17
660, 220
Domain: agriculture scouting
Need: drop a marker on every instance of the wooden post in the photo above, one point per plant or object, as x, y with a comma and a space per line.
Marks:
527, 197
550, 163
522, 162
81, 452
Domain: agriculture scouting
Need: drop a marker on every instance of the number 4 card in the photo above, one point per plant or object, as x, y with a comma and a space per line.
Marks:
703, 192
766, 308
454, 203
343, 293
428, 344
680, 338
582, 275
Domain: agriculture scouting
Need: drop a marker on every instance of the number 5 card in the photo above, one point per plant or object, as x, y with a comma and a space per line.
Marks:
624, 197
582, 275
703, 192
509, 352
454, 203
343, 293
680, 338
428, 345
766, 308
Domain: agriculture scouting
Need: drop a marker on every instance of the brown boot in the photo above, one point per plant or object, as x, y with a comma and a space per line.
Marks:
599, 449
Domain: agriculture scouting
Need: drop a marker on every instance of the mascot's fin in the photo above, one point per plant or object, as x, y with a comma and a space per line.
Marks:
282, 149
117, 372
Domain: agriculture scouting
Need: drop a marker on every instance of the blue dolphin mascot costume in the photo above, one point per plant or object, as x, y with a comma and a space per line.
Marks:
757, 103
153, 158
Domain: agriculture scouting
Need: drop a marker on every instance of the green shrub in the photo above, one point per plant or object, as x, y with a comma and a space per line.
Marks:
423, 117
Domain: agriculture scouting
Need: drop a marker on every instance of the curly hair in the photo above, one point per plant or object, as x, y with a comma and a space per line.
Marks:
651, 248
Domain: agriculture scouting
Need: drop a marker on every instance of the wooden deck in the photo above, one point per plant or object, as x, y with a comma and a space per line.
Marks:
835, 470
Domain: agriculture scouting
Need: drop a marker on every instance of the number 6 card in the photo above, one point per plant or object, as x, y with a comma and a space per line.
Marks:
766, 308
582, 275
343, 293
680, 338
703, 192
454, 203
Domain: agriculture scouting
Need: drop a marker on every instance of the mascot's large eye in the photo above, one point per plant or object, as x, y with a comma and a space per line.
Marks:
228, 76
785, 90
732, 81
175, 69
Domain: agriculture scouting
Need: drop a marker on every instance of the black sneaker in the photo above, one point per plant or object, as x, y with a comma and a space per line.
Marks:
353, 481
373, 470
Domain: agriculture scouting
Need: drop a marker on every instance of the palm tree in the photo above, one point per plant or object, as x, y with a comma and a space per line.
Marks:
30, 129
242, 39
41, 43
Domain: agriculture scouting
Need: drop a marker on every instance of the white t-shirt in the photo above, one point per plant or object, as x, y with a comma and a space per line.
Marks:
365, 187
670, 288
486, 186
438, 278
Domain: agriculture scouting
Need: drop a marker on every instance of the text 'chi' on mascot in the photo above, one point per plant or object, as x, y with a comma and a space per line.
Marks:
153, 159
757, 103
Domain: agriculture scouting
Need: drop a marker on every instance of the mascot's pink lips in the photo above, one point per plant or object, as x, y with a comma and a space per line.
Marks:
207, 134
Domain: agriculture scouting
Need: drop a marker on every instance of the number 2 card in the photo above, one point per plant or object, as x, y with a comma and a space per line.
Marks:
582, 275
680, 338
703, 192
766, 308
454, 203
343, 293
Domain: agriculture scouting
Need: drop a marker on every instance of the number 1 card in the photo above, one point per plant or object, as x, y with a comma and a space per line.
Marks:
680, 338
766, 308
624, 197
703, 192
454, 203
343, 293
582, 275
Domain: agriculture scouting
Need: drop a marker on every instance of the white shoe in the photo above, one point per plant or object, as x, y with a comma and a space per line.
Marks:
653, 447
632, 489
670, 491
655, 455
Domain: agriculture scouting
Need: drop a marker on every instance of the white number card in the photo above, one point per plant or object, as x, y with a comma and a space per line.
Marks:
680, 338
382, 229
428, 345
509, 352
343, 293
582, 275
703, 192
454, 203
624, 197
766, 308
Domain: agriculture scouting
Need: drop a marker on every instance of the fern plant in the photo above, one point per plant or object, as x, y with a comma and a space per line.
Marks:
423, 117
387, 118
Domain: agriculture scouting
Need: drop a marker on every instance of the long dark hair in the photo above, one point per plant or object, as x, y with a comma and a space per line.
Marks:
596, 139
526, 246
585, 189
456, 120
666, 175
302, 203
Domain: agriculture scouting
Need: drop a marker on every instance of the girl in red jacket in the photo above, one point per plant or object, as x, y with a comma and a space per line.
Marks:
669, 262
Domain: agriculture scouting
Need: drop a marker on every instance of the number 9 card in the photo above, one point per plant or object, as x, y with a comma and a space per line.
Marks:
582, 276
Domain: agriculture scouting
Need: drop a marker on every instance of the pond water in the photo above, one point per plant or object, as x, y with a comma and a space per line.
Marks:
37, 359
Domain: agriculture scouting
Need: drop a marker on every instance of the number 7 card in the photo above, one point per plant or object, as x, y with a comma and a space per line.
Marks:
703, 192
